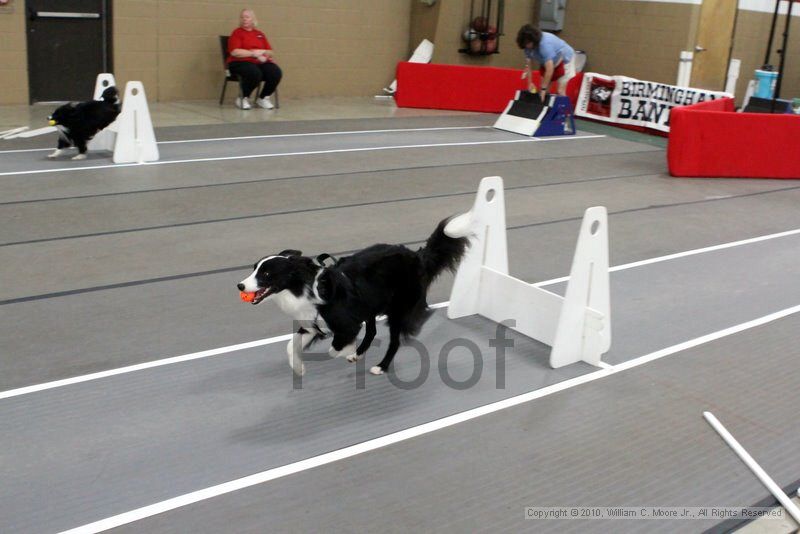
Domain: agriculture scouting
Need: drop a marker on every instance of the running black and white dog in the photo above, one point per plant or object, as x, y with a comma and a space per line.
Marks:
79, 122
336, 299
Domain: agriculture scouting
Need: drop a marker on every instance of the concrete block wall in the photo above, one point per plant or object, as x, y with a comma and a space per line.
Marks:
351, 47
348, 47
632, 38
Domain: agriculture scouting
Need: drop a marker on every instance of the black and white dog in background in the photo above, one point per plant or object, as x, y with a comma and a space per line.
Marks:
79, 122
335, 300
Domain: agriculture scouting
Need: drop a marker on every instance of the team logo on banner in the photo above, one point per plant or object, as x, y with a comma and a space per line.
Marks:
600, 97
629, 101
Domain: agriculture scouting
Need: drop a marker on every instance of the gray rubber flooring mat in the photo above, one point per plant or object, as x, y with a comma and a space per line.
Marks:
265, 199
154, 434
206, 131
281, 145
636, 438
73, 330
104, 179
165, 250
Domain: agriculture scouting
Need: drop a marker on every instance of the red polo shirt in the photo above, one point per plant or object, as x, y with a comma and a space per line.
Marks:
248, 40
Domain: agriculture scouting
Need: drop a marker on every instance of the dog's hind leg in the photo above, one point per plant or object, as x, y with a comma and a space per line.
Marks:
394, 344
81, 150
62, 144
369, 335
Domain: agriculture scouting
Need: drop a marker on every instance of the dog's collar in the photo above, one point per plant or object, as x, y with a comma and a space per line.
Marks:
324, 257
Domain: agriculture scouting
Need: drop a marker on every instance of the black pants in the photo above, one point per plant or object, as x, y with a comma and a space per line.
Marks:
251, 74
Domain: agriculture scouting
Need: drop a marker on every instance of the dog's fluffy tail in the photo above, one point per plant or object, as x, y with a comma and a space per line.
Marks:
442, 252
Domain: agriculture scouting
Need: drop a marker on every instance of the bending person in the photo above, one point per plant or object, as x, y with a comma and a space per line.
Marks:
555, 57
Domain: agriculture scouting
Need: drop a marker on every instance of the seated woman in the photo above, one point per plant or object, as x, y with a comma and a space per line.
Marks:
250, 58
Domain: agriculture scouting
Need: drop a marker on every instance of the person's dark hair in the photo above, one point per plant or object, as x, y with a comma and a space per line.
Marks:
529, 34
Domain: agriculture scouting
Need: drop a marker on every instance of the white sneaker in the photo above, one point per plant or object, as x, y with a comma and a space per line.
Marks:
265, 103
243, 103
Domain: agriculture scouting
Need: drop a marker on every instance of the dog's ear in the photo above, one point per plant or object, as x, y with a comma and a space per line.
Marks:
290, 252
110, 94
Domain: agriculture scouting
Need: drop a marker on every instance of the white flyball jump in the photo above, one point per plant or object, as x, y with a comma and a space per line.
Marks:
136, 140
576, 326
131, 137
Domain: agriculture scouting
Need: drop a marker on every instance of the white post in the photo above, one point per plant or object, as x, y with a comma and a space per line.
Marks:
581, 335
685, 69
486, 223
733, 76
104, 81
136, 140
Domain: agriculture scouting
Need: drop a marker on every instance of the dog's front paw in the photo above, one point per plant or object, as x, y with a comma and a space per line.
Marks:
333, 353
352, 358
377, 370
55, 154
79, 157
297, 365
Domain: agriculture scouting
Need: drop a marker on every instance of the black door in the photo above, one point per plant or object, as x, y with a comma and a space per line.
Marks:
68, 46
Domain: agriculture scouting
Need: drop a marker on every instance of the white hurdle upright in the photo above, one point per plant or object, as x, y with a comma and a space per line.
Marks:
136, 140
105, 139
104, 81
576, 326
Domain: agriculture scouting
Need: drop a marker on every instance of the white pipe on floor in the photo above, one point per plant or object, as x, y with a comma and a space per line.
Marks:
762, 475
8, 133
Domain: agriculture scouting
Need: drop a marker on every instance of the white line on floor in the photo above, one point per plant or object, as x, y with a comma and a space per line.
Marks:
139, 367
267, 341
27, 150
274, 136
409, 433
684, 254
707, 338
306, 153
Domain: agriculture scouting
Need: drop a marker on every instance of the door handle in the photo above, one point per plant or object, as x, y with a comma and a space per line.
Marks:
698, 48
64, 15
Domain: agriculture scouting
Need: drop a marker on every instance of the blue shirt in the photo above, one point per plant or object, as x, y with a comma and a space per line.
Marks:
550, 48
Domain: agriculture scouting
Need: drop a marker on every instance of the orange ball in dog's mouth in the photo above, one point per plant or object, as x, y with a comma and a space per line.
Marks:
254, 297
